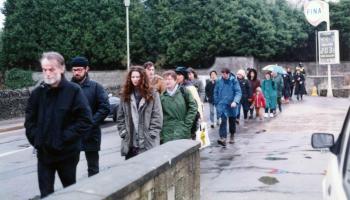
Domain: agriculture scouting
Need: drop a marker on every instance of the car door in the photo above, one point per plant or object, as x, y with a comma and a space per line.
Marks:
336, 185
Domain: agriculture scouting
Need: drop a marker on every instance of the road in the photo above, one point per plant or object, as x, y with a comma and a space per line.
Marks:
270, 160
18, 170
273, 160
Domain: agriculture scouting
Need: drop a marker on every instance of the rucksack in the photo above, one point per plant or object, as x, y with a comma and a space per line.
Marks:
195, 124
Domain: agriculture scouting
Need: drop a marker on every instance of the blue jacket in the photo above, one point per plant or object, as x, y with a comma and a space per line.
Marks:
226, 92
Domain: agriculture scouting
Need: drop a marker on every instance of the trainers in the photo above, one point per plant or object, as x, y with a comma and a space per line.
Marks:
271, 115
232, 139
237, 121
266, 115
212, 126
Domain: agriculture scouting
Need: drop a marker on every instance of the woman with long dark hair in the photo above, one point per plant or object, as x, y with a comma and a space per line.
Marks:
140, 116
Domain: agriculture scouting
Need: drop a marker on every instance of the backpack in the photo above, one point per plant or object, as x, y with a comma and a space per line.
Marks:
195, 124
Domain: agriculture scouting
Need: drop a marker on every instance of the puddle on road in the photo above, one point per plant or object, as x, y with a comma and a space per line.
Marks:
260, 131
275, 158
24, 145
268, 180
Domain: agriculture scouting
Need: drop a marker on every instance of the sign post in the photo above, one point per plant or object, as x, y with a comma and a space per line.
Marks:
317, 11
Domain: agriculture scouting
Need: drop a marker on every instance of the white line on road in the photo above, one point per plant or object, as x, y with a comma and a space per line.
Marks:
13, 152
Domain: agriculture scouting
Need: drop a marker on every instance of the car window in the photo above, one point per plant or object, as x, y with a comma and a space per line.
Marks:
346, 151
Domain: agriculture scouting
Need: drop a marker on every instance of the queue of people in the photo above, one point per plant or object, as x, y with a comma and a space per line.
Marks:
63, 118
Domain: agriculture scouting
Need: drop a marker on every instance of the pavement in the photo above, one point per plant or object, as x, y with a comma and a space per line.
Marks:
273, 159
11, 125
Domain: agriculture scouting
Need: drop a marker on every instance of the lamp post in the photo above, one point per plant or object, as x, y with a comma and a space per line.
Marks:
127, 4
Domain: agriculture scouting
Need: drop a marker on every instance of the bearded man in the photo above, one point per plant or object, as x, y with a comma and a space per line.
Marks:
99, 105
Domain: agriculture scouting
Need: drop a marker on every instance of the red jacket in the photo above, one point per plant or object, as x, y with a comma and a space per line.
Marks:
259, 100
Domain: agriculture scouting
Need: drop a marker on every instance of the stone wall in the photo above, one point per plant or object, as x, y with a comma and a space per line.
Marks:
168, 172
13, 103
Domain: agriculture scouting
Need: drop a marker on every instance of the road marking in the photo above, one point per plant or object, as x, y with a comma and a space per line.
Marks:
13, 152
12, 131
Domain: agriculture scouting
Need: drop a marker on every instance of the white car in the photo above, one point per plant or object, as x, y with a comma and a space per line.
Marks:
336, 184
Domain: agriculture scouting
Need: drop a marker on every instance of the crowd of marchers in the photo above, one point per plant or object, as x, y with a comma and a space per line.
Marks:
63, 117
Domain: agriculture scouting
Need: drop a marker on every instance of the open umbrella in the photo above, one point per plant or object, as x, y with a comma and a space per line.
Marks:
275, 68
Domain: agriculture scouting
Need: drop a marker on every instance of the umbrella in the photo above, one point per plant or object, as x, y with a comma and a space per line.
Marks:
275, 68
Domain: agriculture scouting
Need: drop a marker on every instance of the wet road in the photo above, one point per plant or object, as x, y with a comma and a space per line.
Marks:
273, 159
270, 160
18, 171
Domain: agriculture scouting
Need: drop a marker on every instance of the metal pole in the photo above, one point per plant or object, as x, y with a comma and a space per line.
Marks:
316, 42
127, 38
329, 89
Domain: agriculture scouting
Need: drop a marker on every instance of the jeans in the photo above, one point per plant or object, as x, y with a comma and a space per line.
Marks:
66, 170
212, 113
92, 158
223, 126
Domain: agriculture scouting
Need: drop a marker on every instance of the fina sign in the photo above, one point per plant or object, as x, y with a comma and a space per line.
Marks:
328, 47
316, 11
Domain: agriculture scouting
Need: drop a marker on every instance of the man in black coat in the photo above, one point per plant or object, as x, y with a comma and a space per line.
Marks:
99, 105
57, 116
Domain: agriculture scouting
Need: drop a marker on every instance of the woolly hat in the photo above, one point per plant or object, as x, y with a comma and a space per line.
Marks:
79, 61
182, 71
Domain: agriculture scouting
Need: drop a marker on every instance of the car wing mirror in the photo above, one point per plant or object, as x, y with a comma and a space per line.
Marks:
322, 140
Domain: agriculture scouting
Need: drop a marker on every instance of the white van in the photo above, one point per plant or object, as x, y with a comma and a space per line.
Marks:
336, 184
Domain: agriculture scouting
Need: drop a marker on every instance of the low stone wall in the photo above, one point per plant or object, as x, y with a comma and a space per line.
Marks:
13, 103
168, 172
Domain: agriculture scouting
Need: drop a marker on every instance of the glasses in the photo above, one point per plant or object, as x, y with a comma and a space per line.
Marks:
78, 69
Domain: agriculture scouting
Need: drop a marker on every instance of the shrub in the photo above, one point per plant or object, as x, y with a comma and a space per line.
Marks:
18, 78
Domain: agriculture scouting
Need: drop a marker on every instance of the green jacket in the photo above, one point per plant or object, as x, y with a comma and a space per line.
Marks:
179, 112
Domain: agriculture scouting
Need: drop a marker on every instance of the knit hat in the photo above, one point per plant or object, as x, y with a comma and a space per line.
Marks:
79, 61
182, 71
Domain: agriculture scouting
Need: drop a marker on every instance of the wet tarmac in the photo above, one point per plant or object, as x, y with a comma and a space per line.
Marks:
273, 159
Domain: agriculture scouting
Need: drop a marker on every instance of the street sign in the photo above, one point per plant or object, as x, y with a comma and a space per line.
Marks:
328, 49
316, 11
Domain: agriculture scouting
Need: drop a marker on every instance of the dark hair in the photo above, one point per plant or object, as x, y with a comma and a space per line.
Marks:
255, 74
213, 71
225, 70
145, 88
148, 64
191, 70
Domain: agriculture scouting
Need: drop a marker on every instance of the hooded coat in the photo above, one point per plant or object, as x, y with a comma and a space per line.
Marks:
270, 93
179, 112
226, 92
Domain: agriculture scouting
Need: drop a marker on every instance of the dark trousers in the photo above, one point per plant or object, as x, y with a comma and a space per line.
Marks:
132, 152
66, 170
279, 103
92, 158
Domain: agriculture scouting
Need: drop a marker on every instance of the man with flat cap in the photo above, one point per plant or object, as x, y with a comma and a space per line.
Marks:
99, 105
